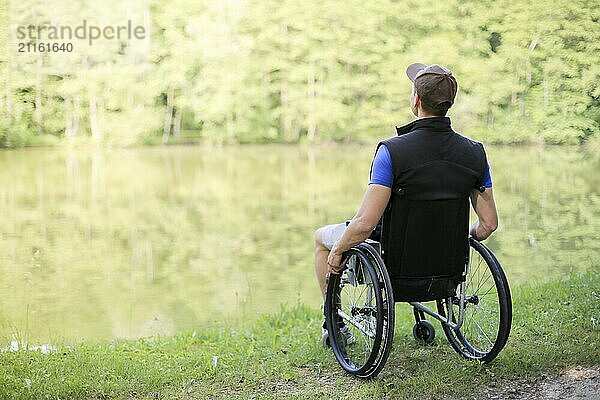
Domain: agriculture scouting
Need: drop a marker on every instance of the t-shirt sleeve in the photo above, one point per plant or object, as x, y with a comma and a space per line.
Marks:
382, 173
487, 179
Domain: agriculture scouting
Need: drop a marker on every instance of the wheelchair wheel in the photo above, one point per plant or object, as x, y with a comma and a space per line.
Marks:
488, 308
359, 312
424, 332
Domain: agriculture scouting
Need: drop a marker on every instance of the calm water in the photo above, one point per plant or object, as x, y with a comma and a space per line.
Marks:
135, 242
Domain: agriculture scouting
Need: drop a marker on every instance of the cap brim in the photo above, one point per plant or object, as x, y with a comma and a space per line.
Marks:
413, 69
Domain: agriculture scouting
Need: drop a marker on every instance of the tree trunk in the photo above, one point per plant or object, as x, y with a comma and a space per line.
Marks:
522, 108
286, 120
71, 116
169, 115
75, 114
94, 126
312, 130
68, 117
8, 88
92, 106
230, 127
546, 91
312, 121
490, 118
95, 177
177, 123
38, 94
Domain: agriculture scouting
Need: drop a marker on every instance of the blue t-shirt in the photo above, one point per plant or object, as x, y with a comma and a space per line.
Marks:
383, 174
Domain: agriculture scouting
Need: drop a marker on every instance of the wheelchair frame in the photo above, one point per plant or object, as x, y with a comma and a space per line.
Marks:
447, 320
421, 307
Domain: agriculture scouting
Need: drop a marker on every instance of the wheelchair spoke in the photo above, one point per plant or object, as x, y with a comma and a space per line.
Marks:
490, 291
480, 275
483, 283
484, 334
484, 310
475, 272
480, 327
355, 323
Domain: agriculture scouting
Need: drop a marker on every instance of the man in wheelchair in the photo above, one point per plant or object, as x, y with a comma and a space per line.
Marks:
420, 181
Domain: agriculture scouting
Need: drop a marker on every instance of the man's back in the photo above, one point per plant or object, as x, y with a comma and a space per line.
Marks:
431, 161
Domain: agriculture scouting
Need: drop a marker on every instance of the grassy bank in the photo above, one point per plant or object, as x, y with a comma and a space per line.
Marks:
555, 325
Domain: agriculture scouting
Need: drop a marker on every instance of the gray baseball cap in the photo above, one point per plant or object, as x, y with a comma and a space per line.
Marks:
435, 85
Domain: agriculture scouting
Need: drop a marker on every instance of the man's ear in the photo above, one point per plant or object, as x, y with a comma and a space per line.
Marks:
413, 99
415, 105
417, 101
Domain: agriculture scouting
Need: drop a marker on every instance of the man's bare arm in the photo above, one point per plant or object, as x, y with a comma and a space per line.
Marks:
487, 216
373, 204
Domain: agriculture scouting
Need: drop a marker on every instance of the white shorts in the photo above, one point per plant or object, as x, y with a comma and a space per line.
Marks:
332, 233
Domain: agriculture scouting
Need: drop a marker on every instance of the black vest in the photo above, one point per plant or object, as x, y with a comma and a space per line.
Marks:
426, 223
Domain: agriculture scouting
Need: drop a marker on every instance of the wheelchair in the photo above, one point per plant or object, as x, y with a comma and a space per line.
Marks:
473, 303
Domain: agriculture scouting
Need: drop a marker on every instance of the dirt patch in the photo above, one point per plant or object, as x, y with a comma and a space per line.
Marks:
575, 383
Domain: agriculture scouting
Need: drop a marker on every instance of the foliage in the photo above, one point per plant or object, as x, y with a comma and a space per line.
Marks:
260, 71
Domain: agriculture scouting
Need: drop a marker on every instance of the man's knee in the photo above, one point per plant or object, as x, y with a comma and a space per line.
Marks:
319, 237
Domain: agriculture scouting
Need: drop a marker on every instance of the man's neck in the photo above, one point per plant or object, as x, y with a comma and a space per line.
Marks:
422, 116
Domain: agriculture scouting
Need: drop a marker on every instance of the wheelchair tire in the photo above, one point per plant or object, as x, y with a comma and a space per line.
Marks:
488, 311
361, 299
424, 332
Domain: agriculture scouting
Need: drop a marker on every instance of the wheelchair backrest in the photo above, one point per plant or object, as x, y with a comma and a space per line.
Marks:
429, 238
425, 247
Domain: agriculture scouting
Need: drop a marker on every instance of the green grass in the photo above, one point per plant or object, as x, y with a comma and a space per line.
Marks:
555, 325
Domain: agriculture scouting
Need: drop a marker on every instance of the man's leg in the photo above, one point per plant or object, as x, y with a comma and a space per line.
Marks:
321, 254
325, 238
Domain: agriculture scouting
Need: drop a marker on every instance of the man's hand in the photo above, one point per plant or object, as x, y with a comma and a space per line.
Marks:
333, 262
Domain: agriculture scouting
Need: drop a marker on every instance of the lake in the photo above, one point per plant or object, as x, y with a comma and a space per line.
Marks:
125, 243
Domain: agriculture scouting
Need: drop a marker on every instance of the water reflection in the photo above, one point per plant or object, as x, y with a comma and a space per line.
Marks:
134, 242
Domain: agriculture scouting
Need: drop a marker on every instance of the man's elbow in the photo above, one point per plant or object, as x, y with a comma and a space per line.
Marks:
490, 226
